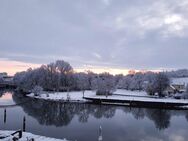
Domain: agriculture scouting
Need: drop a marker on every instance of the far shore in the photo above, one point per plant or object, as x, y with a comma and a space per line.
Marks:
119, 97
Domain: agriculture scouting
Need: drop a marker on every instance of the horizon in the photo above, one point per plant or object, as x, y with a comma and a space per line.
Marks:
21, 66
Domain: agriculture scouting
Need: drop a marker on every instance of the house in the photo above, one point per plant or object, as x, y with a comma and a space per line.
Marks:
178, 85
170, 90
175, 88
180, 88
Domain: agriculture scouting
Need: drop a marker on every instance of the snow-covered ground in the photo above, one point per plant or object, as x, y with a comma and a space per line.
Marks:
76, 96
130, 93
119, 94
26, 137
183, 80
141, 99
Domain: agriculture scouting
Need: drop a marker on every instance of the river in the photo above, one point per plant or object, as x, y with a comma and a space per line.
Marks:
81, 122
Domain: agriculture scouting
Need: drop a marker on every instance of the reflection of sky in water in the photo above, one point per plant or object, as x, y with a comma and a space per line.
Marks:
81, 122
6, 99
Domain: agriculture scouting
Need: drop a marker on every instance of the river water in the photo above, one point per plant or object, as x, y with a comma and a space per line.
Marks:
81, 122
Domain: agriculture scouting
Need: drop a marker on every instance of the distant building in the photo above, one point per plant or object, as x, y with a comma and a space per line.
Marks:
178, 85
175, 88
4, 78
8, 79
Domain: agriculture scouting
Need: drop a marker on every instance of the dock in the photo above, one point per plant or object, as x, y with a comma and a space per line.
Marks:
139, 102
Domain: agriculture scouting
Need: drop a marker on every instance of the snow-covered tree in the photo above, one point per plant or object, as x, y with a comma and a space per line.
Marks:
137, 81
157, 83
150, 81
162, 82
82, 81
132, 81
53, 76
124, 82
104, 84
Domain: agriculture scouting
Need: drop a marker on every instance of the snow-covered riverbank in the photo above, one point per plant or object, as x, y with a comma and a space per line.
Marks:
75, 96
119, 95
140, 99
26, 137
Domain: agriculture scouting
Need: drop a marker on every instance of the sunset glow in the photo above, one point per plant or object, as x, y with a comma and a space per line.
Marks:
11, 67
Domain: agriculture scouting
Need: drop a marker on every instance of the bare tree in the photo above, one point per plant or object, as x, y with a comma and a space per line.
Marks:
162, 82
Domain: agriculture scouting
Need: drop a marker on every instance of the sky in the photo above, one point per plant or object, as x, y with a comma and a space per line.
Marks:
110, 35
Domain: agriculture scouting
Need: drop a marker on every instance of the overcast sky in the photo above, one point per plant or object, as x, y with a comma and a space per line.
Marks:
136, 34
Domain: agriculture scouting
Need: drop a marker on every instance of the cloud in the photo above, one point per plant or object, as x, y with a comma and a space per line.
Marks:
98, 56
106, 2
125, 34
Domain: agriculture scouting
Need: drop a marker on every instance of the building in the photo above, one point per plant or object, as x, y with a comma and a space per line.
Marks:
175, 88
8, 79
4, 78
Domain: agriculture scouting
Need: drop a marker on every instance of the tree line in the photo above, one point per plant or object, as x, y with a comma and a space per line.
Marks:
60, 76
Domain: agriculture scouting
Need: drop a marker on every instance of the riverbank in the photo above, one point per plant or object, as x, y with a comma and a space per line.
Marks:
26, 137
139, 101
119, 97
74, 96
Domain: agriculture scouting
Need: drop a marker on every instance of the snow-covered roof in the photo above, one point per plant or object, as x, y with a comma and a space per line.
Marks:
180, 81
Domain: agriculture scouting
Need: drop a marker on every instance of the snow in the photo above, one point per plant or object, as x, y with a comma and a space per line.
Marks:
74, 96
119, 94
141, 99
183, 80
130, 93
78, 95
27, 136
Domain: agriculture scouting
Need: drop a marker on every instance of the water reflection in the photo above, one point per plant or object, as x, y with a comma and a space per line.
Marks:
161, 117
4, 92
82, 122
5, 115
61, 114
6, 97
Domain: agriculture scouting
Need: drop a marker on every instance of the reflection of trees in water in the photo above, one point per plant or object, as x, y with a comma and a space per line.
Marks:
103, 111
138, 113
61, 114
161, 117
